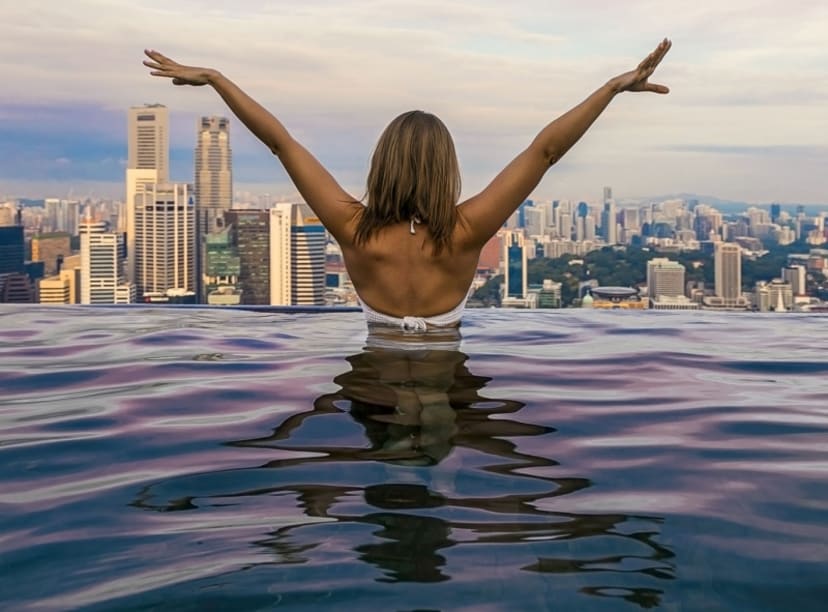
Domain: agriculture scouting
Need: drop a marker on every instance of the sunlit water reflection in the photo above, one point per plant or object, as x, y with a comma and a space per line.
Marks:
209, 459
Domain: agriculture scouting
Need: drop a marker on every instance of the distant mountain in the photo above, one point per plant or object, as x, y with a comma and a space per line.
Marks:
732, 206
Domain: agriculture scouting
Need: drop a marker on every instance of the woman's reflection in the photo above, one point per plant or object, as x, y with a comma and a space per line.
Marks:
415, 407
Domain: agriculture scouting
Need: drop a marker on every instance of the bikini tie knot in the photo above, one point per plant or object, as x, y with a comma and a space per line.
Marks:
414, 324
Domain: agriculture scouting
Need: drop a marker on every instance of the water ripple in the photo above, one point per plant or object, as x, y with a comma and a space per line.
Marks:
217, 458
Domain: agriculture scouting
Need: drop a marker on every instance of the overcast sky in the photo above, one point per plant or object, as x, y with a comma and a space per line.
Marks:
747, 118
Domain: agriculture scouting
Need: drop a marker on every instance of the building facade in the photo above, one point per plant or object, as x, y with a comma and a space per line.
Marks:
728, 271
515, 269
102, 265
664, 278
222, 268
51, 248
149, 139
212, 185
297, 257
251, 229
164, 245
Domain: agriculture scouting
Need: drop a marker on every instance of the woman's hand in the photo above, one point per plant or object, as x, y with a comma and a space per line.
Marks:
637, 80
181, 75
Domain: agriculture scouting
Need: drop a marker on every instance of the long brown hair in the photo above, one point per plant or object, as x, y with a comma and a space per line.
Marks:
414, 173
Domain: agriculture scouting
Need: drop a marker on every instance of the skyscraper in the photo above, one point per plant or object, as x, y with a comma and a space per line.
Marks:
796, 276
664, 278
12, 251
515, 283
609, 230
148, 162
55, 289
222, 268
252, 238
48, 248
728, 272
609, 224
164, 252
213, 185
297, 257
102, 266
149, 139
14, 284
307, 244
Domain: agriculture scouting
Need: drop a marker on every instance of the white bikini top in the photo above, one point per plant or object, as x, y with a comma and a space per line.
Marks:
448, 319
411, 323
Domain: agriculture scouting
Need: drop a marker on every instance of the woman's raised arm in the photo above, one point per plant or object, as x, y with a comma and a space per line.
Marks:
486, 212
332, 204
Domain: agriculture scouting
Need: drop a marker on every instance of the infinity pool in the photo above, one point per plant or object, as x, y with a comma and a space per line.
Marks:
206, 459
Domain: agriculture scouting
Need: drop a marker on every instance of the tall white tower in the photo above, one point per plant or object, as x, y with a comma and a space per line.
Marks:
664, 277
297, 257
149, 139
796, 276
148, 163
164, 252
212, 185
728, 272
102, 265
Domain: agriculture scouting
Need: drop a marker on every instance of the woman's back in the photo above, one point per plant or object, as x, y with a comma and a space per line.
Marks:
399, 274
397, 268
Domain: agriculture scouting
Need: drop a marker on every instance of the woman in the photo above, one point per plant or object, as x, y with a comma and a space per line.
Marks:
412, 251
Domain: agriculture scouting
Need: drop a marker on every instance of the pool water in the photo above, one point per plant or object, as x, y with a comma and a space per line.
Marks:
192, 459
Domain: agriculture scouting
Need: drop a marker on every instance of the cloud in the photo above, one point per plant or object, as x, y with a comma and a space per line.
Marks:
745, 73
780, 151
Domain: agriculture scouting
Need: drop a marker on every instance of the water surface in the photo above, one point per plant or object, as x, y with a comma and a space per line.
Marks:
198, 459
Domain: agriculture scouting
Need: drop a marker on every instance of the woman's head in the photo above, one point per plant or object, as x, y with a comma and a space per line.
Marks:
414, 173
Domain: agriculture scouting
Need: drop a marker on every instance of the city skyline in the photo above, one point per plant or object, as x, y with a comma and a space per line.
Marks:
742, 122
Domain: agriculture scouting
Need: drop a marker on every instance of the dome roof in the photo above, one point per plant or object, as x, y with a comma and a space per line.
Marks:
615, 292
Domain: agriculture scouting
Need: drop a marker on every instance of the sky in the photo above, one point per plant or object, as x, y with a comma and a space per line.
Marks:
746, 119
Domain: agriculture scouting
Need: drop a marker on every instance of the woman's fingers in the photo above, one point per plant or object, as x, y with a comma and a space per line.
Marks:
654, 58
659, 89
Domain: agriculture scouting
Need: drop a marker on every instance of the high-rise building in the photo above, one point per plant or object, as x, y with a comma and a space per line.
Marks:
632, 219
609, 223
490, 254
252, 238
222, 268
565, 225
15, 283
164, 251
12, 249
589, 227
607, 194
297, 257
515, 283
6, 215
212, 185
56, 289
62, 215
796, 276
137, 180
664, 278
535, 217
148, 163
53, 290
149, 139
50, 248
64, 287
550, 294
102, 265
775, 296
728, 272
